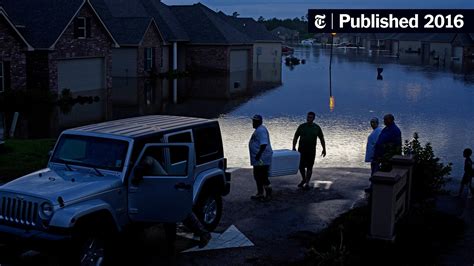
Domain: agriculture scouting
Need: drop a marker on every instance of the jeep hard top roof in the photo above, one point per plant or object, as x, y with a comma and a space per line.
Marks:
141, 126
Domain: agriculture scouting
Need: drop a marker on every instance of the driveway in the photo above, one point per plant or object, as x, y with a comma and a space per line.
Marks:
273, 233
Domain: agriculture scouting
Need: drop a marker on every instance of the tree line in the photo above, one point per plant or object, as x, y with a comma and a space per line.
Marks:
298, 24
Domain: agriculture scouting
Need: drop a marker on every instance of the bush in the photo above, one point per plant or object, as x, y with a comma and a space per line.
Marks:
429, 175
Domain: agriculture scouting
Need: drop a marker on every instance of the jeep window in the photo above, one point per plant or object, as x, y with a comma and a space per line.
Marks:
91, 152
181, 153
208, 144
153, 160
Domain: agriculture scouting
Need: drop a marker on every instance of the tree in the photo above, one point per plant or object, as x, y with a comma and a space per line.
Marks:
235, 14
261, 19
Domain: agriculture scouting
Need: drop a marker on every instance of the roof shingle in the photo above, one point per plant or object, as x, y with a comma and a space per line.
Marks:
205, 26
256, 31
41, 22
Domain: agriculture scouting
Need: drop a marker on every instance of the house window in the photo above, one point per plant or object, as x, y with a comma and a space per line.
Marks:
2, 77
82, 27
149, 59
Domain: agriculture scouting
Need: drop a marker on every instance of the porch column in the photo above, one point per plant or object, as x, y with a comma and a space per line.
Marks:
175, 69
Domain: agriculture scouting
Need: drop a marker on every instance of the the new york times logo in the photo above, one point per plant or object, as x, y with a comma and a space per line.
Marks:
396, 20
319, 21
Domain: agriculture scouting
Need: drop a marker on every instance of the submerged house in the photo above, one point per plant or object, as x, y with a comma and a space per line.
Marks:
215, 47
71, 51
69, 47
437, 48
266, 50
138, 61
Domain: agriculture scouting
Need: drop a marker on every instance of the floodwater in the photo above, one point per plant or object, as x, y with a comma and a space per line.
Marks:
435, 101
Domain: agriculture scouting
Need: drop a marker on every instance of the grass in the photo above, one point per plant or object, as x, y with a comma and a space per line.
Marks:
20, 157
421, 237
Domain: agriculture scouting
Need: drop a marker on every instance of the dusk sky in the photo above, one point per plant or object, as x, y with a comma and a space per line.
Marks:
298, 8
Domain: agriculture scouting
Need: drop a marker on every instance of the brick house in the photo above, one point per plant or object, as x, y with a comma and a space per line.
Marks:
128, 20
215, 47
138, 61
71, 49
13, 48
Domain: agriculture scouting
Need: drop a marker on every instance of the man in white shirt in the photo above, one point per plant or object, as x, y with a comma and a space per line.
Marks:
261, 153
370, 149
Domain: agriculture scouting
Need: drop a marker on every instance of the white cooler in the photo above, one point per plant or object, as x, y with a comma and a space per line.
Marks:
284, 162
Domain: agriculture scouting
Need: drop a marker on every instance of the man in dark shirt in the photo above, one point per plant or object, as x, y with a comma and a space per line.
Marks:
308, 134
389, 142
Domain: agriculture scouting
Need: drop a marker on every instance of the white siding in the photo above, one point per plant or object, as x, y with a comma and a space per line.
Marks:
239, 60
267, 62
239, 67
266, 53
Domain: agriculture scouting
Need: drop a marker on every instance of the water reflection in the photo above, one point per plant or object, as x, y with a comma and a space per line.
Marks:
84, 113
435, 101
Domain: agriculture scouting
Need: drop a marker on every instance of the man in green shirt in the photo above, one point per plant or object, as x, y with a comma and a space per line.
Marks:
308, 133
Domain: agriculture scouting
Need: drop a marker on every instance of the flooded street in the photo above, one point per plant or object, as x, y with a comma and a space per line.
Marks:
436, 103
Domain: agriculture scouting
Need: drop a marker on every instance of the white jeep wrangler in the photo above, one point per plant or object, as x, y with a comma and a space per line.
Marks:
94, 185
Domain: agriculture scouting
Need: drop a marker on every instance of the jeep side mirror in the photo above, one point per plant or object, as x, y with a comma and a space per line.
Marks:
50, 153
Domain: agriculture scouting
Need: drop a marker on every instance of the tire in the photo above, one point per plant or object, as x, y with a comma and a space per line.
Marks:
94, 243
208, 209
91, 251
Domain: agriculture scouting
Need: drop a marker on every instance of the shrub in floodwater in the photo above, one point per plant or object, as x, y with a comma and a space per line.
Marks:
429, 174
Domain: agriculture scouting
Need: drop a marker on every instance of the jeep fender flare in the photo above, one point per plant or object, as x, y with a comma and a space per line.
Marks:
70, 215
204, 177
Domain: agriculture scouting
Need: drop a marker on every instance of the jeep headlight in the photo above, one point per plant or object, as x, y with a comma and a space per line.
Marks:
46, 210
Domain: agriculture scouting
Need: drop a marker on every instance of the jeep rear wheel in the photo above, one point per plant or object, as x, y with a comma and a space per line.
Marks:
208, 209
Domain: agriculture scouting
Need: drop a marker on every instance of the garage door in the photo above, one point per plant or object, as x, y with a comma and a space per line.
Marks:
238, 70
81, 74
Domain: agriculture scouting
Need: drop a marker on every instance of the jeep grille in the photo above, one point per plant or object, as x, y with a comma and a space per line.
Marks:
18, 211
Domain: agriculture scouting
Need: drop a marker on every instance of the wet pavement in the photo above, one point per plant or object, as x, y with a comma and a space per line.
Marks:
280, 228
269, 233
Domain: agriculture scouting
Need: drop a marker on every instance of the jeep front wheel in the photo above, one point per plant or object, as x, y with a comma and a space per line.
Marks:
208, 209
92, 251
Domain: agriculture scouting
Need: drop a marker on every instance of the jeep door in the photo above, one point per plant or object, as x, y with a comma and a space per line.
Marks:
157, 191
176, 161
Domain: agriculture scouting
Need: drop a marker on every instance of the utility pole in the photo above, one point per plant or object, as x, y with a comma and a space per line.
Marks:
331, 98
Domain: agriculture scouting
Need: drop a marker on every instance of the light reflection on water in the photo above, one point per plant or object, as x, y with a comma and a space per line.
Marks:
341, 152
436, 103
